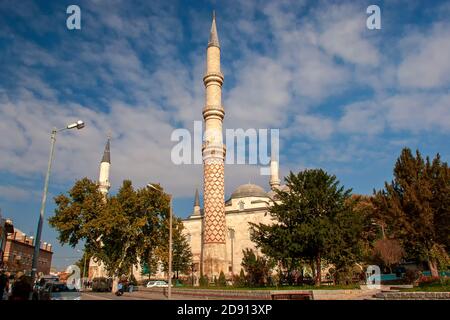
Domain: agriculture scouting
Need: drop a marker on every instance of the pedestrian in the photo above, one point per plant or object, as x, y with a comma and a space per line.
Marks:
4, 281
22, 288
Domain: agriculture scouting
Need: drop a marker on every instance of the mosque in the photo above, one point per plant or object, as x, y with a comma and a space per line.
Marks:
220, 231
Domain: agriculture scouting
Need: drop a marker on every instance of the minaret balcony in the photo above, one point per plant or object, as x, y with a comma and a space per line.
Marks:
213, 111
211, 77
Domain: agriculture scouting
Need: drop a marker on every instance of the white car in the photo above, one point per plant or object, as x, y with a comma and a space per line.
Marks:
157, 284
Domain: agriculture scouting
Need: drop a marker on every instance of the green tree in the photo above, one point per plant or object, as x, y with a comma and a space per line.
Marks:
181, 250
118, 230
315, 222
415, 207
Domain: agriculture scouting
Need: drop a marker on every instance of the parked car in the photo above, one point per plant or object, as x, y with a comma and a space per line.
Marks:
157, 284
59, 291
40, 285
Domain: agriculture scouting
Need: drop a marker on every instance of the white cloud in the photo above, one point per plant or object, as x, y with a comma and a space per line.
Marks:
15, 193
362, 118
344, 34
314, 126
426, 62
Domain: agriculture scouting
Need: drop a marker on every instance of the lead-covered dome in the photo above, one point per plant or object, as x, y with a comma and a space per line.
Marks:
249, 190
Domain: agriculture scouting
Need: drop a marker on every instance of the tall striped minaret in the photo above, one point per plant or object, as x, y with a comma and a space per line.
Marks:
213, 152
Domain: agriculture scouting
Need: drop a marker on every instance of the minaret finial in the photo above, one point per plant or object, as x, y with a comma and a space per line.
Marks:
213, 36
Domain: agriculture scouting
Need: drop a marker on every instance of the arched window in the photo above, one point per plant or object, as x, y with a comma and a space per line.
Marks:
241, 205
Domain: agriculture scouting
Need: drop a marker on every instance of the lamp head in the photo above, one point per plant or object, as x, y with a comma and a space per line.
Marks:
79, 125
152, 186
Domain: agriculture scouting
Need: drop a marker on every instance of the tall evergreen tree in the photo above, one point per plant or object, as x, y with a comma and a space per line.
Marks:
415, 206
315, 222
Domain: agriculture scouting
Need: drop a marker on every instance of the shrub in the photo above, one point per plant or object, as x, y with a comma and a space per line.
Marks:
222, 280
239, 279
412, 276
258, 268
204, 281
216, 281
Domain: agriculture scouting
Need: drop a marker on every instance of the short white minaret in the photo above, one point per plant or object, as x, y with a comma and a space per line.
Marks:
105, 164
274, 174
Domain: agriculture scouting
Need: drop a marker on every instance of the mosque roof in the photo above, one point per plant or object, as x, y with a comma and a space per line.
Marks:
248, 190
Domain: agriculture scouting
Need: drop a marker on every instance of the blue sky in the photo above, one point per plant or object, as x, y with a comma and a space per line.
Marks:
345, 98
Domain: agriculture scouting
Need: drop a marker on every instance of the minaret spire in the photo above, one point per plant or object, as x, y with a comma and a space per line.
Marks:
197, 211
197, 199
107, 153
213, 36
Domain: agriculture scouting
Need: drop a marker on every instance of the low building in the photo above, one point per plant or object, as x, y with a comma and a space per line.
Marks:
19, 250
6, 227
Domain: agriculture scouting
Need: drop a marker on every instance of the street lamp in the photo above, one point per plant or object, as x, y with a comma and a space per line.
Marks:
169, 289
37, 243
84, 268
231, 231
382, 228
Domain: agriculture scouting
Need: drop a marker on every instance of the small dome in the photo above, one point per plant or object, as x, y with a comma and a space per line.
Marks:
248, 190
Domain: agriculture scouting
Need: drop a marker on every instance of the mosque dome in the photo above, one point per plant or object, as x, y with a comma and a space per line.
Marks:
248, 190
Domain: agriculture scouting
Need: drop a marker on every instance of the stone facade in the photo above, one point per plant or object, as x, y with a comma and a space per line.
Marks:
19, 250
240, 210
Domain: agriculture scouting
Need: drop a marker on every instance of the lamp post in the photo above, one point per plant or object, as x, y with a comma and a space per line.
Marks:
382, 228
232, 249
37, 243
84, 269
169, 280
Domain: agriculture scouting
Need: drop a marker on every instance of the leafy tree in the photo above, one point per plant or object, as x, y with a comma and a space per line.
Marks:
119, 230
416, 207
315, 222
389, 251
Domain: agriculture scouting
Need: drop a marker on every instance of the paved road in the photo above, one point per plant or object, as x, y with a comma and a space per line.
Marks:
137, 295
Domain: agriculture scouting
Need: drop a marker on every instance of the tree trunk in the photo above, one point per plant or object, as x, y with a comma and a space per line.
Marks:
114, 284
313, 269
433, 268
319, 270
